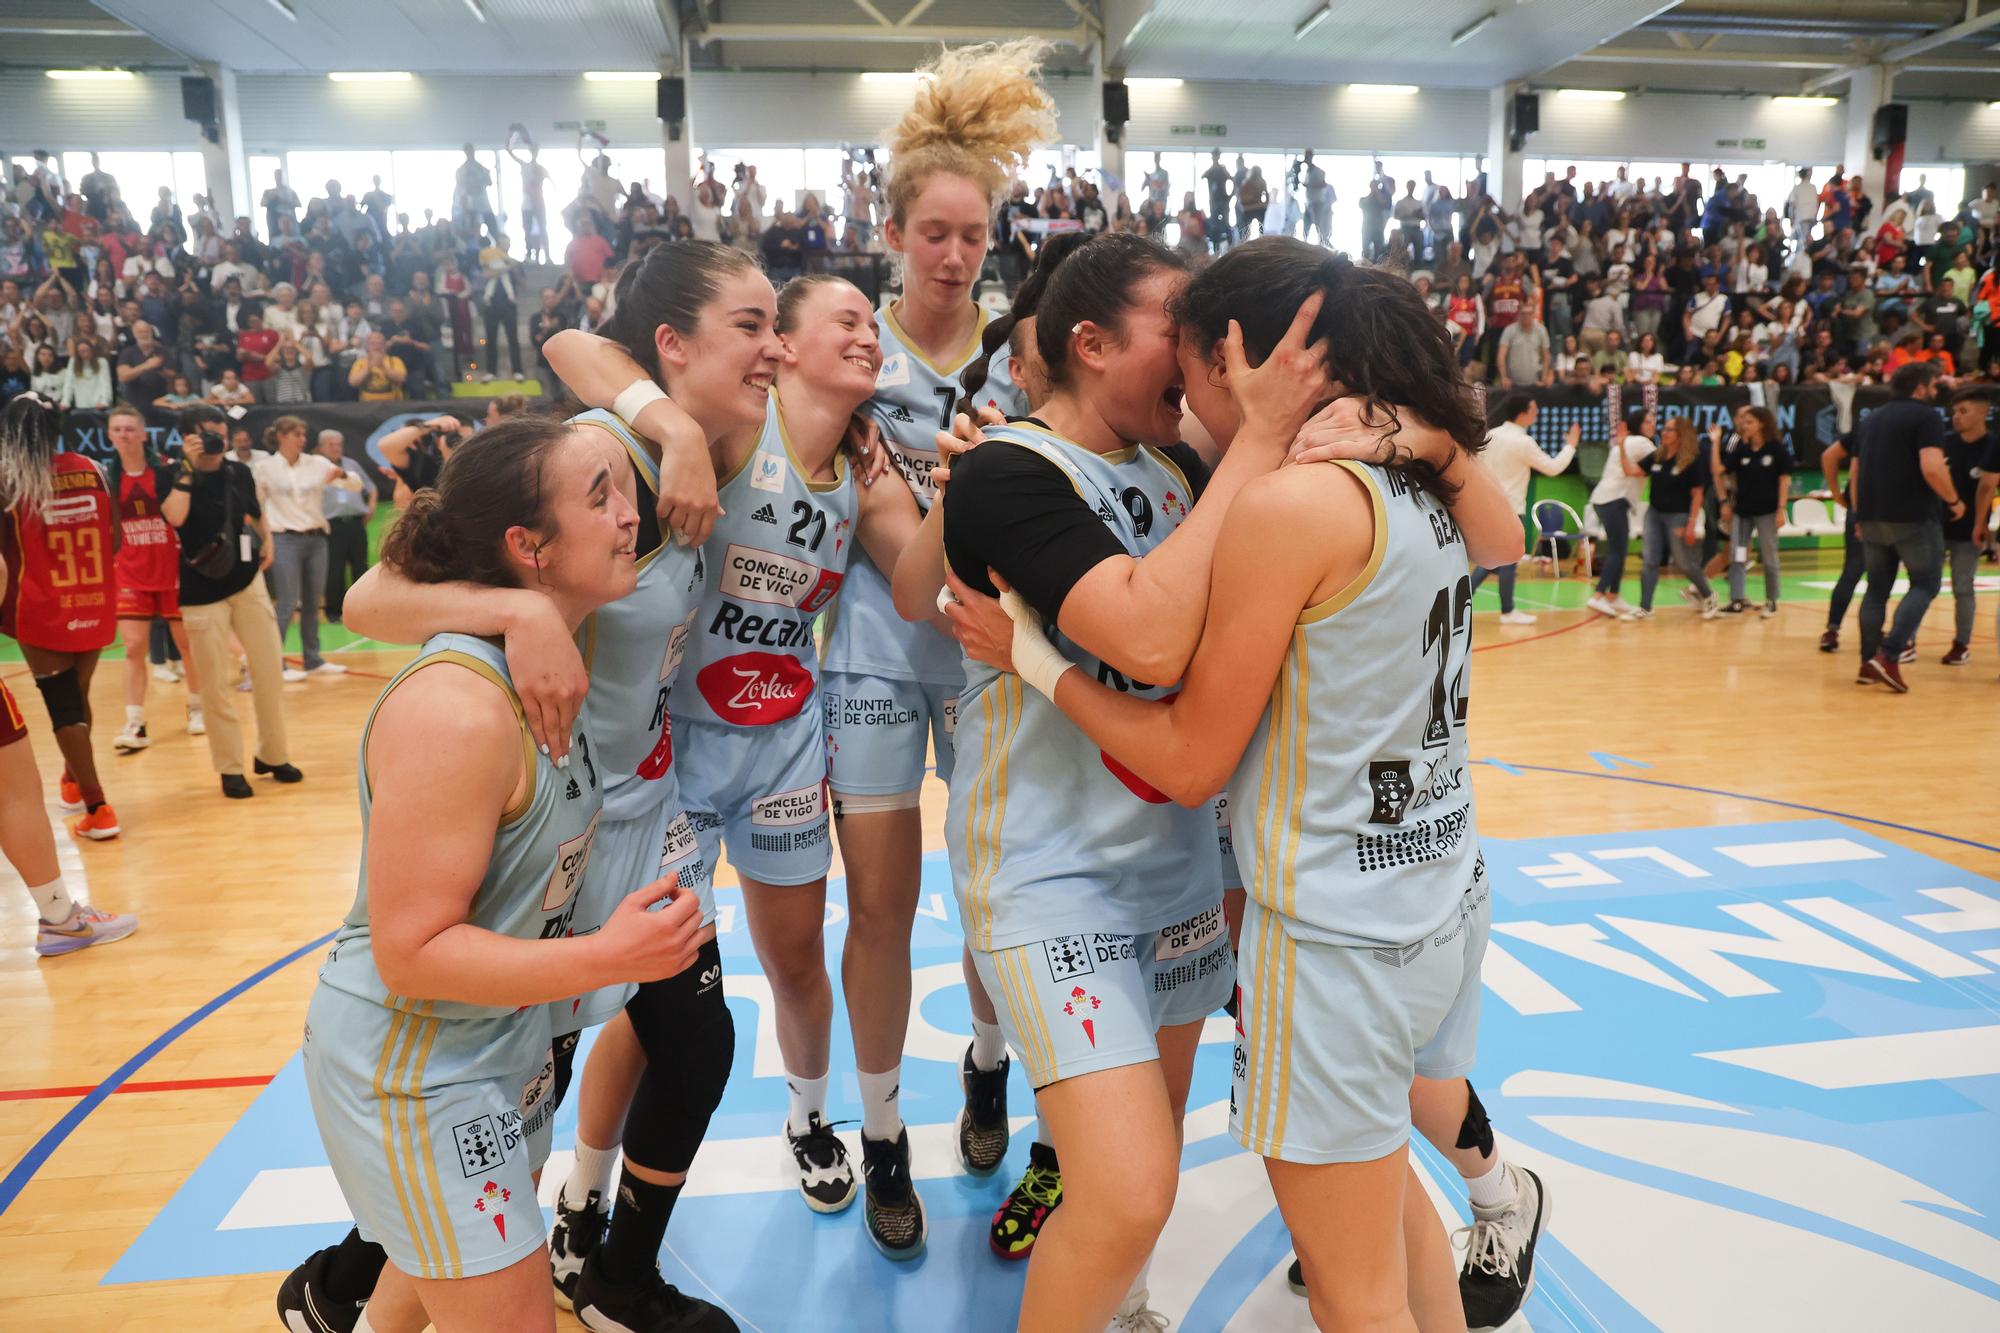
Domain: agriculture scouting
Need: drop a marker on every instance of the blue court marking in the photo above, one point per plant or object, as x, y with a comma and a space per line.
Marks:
31, 1162
1746, 796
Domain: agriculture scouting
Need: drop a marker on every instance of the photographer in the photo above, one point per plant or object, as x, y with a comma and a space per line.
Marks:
416, 453
224, 546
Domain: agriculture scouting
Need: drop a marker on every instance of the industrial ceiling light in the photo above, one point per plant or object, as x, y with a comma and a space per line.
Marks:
1312, 21
891, 76
1591, 94
1795, 100
1474, 28
98, 75
1384, 89
370, 76
622, 75
1153, 83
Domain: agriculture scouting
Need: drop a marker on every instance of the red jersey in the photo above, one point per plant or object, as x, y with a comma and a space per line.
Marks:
60, 593
1504, 306
252, 346
150, 559
1460, 310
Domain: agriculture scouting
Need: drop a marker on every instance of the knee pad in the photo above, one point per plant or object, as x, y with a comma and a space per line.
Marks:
564, 1050
689, 1037
1477, 1131
64, 698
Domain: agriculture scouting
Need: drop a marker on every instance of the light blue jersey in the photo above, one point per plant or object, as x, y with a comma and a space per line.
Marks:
530, 886
633, 649
776, 558
1352, 806
1049, 835
1002, 391
754, 772
914, 399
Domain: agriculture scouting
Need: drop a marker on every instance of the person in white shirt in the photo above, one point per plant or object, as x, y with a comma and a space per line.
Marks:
1802, 209
1618, 495
290, 486
232, 266
1513, 457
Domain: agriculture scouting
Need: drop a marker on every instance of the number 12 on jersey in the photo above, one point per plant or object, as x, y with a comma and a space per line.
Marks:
1448, 633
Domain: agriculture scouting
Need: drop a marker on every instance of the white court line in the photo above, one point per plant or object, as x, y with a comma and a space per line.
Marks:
1870, 1062
1799, 852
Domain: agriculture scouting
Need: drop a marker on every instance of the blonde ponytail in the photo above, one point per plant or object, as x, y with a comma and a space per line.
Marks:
979, 111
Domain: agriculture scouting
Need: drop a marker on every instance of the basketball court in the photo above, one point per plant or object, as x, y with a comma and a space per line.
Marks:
1742, 1012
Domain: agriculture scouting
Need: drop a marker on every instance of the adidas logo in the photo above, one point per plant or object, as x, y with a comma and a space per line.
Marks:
573, 792
765, 514
900, 413
1104, 511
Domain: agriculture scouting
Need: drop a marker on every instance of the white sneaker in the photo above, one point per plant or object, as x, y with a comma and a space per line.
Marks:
132, 738
164, 673
1624, 608
1516, 618
1135, 1316
1601, 604
293, 675
1709, 610
328, 669
197, 724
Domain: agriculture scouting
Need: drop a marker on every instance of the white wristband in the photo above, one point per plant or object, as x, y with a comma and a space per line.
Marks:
1036, 660
634, 399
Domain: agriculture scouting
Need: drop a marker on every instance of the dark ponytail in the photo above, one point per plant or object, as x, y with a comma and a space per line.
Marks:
1383, 342
1026, 297
492, 482
1096, 283
669, 286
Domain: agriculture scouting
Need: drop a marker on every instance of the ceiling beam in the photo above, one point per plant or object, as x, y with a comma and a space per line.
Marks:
1903, 55
881, 19
1628, 55
1078, 36
68, 27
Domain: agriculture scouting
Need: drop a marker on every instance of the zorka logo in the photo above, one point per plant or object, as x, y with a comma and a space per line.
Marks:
755, 689
1135, 784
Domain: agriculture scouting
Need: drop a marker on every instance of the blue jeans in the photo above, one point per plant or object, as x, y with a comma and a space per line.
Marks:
1764, 528
1506, 575
1853, 564
1964, 600
1664, 536
1919, 548
1617, 518
298, 568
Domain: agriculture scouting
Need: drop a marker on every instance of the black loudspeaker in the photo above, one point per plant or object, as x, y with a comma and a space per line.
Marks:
672, 103
198, 100
1527, 112
1117, 103
1892, 126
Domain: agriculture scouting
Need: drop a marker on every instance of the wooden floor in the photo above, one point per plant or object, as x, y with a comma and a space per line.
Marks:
1743, 707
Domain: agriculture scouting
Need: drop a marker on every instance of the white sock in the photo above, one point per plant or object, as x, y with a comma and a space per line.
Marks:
52, 900
591, 1172
1494, 1189
988, 1046
882, 1104
1042, 1129
135, 715
1135, 1295
807, 1096
361, 1324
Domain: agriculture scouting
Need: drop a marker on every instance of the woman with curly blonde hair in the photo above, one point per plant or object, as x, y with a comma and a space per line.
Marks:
891, 686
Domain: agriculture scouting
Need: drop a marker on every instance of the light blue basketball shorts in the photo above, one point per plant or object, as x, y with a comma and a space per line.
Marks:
628, 855
1329, 1036
760, 792
880, 732
1076, 1004
426, 1122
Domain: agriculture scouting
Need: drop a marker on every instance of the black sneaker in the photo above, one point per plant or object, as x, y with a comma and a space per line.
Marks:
574, 1238
1499, 1269
1733, 608
282, 772
649, 1305
1020, 1219
236, 787
894, 1213
304, 1305
982, 1123
1295, 1277
826, 1178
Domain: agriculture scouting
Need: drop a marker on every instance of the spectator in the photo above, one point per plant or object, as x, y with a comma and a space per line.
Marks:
1903, 494
1944, 313
1409, 214
289, 487
142, 367
224, 546
289, 370
376, 376
87, 377
497, 300
231, 391
1524, 354
280, 203
1513, 457
1619, 491
254, 343
49, 375
348, 512
179, 398
783, 246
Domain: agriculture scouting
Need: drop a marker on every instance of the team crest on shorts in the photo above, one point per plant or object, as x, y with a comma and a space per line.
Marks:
490, 1200
1068, 956
1080, 1006
479, 1147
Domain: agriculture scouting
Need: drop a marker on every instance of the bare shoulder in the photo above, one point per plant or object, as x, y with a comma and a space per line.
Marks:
447, 717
